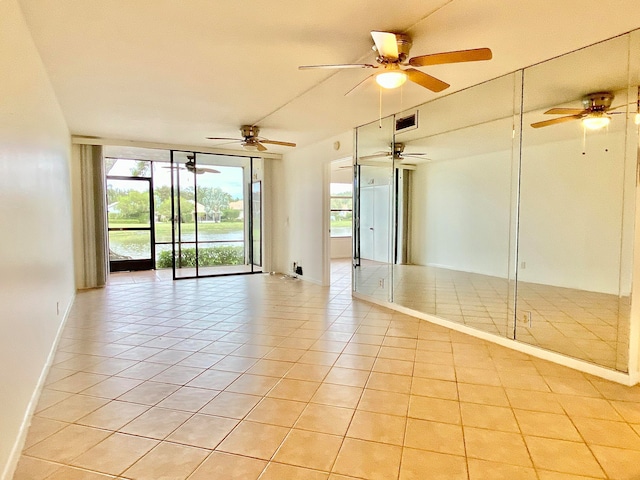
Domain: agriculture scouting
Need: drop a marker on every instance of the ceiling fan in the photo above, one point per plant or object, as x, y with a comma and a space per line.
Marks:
393, 50
595, 114
190, 165
251, 140
397, 153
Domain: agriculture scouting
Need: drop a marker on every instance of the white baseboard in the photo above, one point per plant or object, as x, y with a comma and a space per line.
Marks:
581, 365
14, 457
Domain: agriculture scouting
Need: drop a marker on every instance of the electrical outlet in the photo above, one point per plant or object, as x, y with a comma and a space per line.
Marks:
523, 265
381, 283
525, 318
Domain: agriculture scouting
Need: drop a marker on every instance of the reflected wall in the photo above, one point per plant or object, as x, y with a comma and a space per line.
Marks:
501, 223
576, 203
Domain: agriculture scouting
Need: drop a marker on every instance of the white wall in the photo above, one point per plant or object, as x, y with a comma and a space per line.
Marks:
36, 257
570, 229
460, 214
300, 185
571, 213
341, 247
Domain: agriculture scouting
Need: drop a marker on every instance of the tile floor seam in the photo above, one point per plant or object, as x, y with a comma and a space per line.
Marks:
389, 348
344, 436
584, 441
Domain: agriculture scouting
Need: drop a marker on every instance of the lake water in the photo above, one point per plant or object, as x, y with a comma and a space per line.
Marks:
138, 250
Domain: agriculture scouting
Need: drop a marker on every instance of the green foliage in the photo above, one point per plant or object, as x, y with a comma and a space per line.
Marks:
161, 193
215, 201
187, 209
341, 203
338, 216
141, 168
230, 215
208, 257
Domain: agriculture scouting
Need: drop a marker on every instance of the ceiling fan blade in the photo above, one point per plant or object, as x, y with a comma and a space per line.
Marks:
426, 81
553, 121
357, 85
260, 146
419, 156
375, 155
609, 110
458, 56
566, 111
339, 65
386, 44
275, 142
224, 138
207, 170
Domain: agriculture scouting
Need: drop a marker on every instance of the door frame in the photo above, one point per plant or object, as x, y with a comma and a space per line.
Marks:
136, 264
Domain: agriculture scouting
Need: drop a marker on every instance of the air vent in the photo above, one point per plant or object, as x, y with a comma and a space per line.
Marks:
409, 122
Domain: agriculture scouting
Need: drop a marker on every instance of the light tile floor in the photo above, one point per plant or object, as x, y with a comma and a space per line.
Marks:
264, 377
587, 325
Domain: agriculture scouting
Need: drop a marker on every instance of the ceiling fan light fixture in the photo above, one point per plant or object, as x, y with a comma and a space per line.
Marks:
391, 78
596, 121
250, 146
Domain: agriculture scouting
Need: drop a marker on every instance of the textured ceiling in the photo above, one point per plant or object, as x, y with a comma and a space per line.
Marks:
176, 72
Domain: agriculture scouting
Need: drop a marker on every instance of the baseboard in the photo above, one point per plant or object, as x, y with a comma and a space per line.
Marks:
14, 457
628, 379
303, 278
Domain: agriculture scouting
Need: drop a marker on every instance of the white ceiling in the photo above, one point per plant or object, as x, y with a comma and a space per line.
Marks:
178, 71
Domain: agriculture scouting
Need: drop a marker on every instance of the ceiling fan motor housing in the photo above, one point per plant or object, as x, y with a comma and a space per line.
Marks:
404, 45
249, 131
597, 102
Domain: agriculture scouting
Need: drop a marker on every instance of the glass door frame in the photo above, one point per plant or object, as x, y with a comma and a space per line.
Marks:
175, 230
136, 264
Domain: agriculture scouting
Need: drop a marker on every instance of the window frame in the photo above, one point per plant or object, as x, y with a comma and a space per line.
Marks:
331, 210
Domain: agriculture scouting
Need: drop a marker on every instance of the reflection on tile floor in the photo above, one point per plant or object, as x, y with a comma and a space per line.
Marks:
264, 377
587, 325
118, 278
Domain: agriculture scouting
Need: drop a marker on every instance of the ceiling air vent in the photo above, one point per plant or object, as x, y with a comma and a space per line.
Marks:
409, 122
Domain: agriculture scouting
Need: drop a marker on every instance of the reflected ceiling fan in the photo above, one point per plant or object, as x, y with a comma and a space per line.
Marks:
251, 140
398, 154
393, 50
595, 114
190, 165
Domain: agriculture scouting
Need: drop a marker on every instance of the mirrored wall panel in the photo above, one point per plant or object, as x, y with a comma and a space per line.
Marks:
509, 207
579, 152
458, 202
373, 196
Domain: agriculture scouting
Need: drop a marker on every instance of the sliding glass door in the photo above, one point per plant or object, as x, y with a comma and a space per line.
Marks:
216, 228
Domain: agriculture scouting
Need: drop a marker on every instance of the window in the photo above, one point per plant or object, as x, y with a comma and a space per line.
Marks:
341, 209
